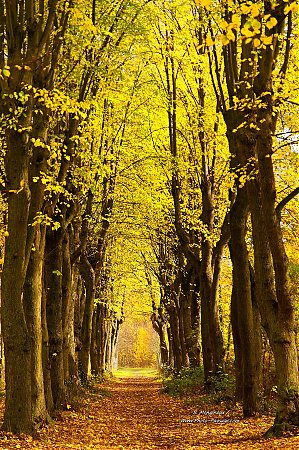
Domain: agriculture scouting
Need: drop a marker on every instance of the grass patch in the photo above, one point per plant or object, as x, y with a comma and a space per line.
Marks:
132, 372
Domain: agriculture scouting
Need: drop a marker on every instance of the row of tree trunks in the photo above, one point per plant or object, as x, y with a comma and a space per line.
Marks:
211, 335
253, 128
104, 338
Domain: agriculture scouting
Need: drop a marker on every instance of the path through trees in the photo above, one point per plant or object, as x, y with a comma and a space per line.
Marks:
133, 414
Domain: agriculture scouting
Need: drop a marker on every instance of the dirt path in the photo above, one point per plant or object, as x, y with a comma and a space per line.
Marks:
133, 414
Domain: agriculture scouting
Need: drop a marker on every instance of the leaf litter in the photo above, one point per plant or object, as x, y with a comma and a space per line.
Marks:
135, 415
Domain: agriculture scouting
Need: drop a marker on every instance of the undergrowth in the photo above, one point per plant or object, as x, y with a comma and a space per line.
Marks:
186, 382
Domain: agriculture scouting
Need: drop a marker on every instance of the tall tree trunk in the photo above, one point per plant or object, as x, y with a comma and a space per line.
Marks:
215, 362
284, 332
195, 318
53, 280
159, 325
94, 351
68, 314
32, 299
16, 335
170, 345
175, 335
207, 351
88, 275
181, 310
191, 320
237, 344
46, 355
242, 293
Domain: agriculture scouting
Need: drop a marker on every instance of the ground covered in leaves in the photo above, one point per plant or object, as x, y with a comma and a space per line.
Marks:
132, 413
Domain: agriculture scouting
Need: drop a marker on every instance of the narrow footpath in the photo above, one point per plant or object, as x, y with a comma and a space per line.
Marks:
132, 413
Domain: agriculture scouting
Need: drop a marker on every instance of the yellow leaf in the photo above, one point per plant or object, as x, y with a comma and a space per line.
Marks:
236, 21
6, 72
224, 39
267, 40
271, 23
230, 35
204, 3
247, 32
292, 7
256, 25
209, 41
223, 24
245, 9
256, 42
254, 10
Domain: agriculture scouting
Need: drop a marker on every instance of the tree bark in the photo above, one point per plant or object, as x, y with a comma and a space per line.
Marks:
88, 275
16, 335
53, 279
242, 295
32, 299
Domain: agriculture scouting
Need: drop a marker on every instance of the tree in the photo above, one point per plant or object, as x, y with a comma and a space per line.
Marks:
252, 120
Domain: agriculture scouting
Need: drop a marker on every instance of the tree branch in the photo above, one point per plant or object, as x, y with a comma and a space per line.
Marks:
285, 201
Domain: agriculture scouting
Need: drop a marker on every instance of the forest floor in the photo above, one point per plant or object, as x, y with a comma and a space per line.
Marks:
132, 413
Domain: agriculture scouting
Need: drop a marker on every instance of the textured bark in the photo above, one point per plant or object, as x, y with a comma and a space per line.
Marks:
88, 275
102, 339
17, 340
242, 295
190, 313
68, 315
159, 325
195, 357
94, 349
214, 360
46, 355
33, 284
207, 351
170, 344
185, 358
53, 280
32, 299
237, 344
175, 335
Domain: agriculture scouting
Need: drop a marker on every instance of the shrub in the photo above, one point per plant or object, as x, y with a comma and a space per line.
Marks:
186, 382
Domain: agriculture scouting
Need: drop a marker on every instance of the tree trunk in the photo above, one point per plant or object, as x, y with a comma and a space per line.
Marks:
68, 315
88, 275
16, 335
175, 334
181, 311
242, 293
170, 345
32, 299
191, 321
53, 279
237, 344
159, 325
214, 361
94, 351
46, 355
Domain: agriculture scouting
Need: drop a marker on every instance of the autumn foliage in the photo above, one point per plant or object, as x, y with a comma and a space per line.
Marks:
149, 209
